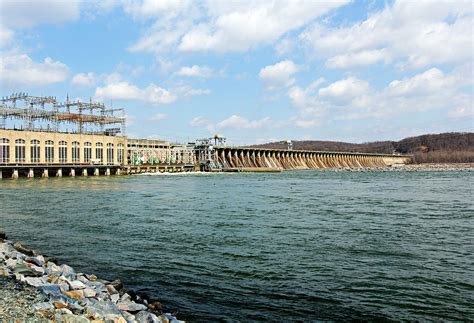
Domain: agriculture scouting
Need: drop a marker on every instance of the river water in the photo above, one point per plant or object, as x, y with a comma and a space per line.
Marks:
299, 245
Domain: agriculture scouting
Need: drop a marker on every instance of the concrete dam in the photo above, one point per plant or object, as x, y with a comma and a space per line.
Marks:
41, 137
258, 159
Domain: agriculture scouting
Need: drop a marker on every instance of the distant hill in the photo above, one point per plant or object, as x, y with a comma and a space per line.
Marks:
449, 147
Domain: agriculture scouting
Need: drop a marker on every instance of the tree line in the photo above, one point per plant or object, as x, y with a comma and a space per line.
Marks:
452, 147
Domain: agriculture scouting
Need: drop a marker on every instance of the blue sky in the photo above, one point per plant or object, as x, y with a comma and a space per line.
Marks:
252, 71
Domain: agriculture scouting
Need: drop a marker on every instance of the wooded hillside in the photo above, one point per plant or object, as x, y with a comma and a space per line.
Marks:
432, 148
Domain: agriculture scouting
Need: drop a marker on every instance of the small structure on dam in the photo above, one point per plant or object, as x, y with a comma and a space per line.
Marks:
40, 137
148, 155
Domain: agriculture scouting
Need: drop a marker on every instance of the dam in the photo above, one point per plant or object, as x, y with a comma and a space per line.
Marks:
258, 159
44, 145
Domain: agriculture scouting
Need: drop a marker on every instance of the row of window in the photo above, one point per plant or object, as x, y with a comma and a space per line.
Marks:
4, 141
35, 154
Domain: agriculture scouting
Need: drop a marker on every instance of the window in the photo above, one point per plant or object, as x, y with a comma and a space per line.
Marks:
62, 151
87, 152
19, 151
120, 153
75, 151
35, 151
99, 153
49, 151
4, 150
110, 153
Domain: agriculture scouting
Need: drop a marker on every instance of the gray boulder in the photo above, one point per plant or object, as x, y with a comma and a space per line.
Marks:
68, 272
38, 260
131, 306
52, 290
146, 317
44, 306
102, 310
36, 281
21, 248
28, 271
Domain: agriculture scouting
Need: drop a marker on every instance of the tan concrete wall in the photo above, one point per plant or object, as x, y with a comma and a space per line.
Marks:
56, 137
284, 159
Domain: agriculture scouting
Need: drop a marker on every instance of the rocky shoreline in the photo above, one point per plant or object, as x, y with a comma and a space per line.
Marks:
35, 288
440, 167
465, 167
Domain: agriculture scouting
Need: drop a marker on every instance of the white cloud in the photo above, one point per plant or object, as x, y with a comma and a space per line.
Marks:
310, 109
130, 70
123, 90
199, 121
427, 82
232, 122
202, 122
462, 112
419, 33
195, 92
362, 58
130, 120
26, 14
260, 141
242, 26
21, 70
196, 71
286, 46
162, 36
222, 26
172, 19
278, 75
156, 94
346, 89
429, 90
84, 79
91, 10
352, 98
119, 91
152, 8
6, 36
159, 116
186, 90
238, 122
303, 123
104, 6
114, 77
304, 99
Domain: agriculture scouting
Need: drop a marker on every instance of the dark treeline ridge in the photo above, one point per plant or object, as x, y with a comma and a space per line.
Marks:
452, 147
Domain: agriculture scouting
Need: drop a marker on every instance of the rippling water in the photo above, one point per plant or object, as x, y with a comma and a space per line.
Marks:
304, 245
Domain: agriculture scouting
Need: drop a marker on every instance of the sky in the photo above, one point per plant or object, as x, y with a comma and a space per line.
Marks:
252, 71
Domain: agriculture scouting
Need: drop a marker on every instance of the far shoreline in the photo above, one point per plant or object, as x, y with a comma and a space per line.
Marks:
438, 166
